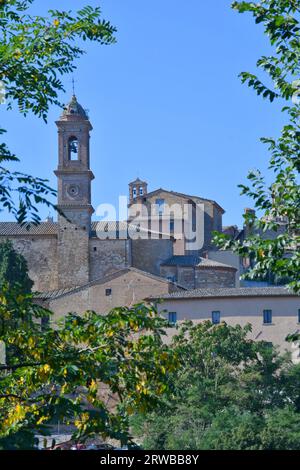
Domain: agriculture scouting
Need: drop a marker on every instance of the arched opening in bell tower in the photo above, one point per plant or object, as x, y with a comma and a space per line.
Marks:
73, 146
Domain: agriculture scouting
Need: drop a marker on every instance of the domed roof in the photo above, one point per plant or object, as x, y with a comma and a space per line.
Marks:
74, 108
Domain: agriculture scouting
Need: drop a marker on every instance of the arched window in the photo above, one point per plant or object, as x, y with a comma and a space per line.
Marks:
73, 148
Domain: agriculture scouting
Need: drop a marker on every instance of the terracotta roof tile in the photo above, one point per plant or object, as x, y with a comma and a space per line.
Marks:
15, 229
230, 292
195, 261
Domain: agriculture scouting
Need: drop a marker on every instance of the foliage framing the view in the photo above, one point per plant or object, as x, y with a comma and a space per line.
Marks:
280, 201
13, 269
228, 392
35, 52
91, 372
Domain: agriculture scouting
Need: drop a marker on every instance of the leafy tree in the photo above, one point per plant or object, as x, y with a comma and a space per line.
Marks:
13, 268
227, 393
35, 52
68, 373
278, 203
231, 429
282, 430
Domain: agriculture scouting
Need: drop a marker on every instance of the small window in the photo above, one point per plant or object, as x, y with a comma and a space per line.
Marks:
267, 317
134, 192
73, 148
172, 225
172, 317
215, 317
108, 292
141, 192
95, 248
160, 205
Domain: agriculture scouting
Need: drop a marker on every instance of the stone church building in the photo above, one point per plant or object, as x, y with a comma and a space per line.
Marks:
74, 262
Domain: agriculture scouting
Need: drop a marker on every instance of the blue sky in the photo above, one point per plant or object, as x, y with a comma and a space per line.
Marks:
165, 102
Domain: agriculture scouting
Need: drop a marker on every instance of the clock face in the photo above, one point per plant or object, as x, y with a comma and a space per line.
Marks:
73, 190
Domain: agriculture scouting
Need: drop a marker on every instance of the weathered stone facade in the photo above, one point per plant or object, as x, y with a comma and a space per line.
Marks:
107, 256
194, 272
148, 255
144, 207
214, 278
73, 256
41, 255
122, 288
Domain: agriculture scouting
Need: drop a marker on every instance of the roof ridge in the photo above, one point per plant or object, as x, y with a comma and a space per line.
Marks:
185, 195
61, 292
222, 292
196, 261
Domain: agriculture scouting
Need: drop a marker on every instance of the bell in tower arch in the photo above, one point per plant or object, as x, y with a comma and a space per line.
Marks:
73, 148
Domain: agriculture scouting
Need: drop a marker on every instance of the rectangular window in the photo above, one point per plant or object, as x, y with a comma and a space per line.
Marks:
267, 317
107, 292
172, 317
216, 317
141, 192
172, 225
160, 205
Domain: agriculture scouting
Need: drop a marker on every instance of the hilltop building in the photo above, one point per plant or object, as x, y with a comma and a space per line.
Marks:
164, 250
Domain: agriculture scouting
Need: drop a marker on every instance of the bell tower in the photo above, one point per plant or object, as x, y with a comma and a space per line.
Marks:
74, 195
137, 189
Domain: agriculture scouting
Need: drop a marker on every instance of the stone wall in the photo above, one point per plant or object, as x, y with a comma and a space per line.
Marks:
41, 255
229, 258
148, 255
195, 277
107, 256
73, 255
212, 222
212, 216
127, 289
169, 272
186, 277
214, 278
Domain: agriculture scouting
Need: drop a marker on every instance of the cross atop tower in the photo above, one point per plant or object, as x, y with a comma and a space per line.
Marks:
73, 85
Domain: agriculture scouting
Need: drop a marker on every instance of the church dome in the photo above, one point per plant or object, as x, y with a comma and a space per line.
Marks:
74, 109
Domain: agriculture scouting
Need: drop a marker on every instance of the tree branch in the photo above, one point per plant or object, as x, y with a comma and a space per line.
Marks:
12, 395
18, 366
